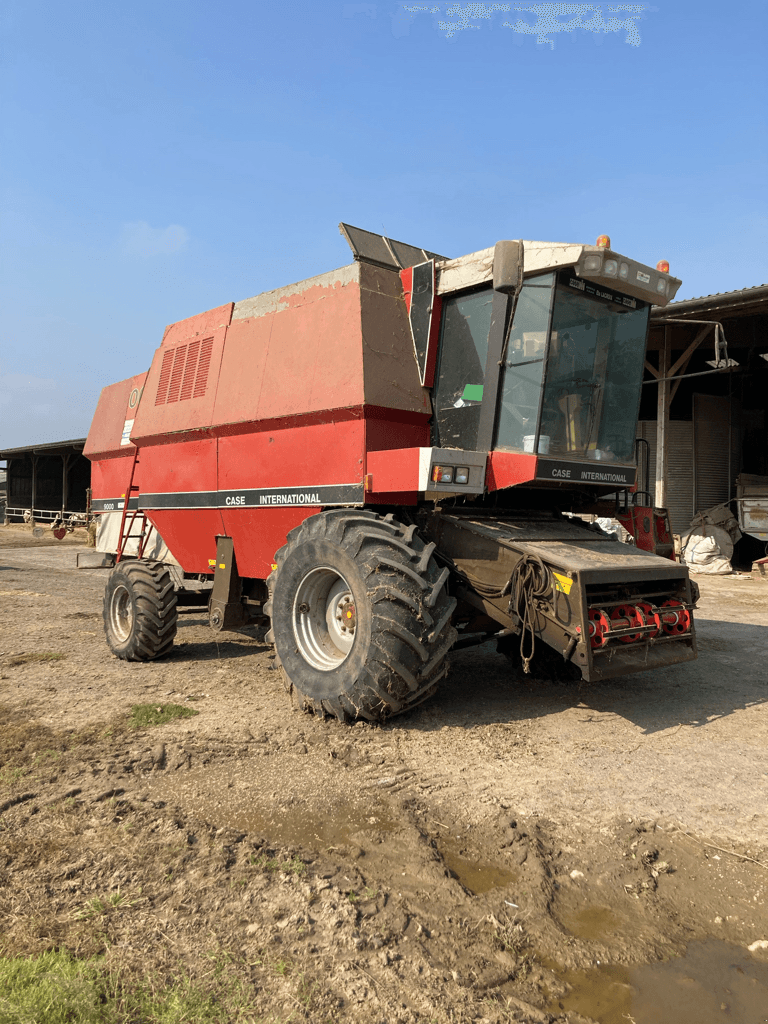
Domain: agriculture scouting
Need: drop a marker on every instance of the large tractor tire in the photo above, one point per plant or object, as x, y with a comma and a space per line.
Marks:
140, 611
361, 620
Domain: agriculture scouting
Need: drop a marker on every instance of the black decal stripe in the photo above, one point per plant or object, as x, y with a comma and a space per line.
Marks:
314, 495
597, 472
112, 504
180, 499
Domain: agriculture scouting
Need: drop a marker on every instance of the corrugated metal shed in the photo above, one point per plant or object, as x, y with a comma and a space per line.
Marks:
680, 455
742, 302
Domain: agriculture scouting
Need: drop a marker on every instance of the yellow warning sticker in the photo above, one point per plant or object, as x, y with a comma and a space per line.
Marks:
563, 583
211, 561
222, 565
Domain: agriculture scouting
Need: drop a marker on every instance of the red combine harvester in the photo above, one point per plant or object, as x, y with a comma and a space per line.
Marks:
384, 462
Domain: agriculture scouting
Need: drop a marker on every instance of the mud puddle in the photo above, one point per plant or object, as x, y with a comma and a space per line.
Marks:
595, 924
476, 876
300, 826
712, 982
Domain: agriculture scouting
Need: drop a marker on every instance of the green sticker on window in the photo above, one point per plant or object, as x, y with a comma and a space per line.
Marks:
472, 393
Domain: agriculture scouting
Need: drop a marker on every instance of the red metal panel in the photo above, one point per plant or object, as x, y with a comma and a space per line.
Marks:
242, 371
185, 466
259, 532
393, 471
406, 276
506, 469
199, 326
178, 468
393, 428
110, 476
650, 528
315, 354
180, 391
301, 359
296, 456
112, 411
190, 534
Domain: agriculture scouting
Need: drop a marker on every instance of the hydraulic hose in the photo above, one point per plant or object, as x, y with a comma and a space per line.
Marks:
530, 581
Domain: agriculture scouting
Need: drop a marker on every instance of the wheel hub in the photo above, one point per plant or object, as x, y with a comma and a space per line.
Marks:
121, 612
324, 618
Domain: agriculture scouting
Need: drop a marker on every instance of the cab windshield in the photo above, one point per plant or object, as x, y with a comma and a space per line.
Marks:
577, 396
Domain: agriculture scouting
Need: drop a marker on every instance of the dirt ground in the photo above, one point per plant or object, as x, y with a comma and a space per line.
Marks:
513, 850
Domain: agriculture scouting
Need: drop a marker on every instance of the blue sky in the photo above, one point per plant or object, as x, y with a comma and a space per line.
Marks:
163, 158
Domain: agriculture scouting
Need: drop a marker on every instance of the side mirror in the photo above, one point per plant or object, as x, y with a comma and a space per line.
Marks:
508, 267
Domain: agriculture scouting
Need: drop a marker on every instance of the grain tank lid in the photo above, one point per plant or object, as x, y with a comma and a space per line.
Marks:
368, 247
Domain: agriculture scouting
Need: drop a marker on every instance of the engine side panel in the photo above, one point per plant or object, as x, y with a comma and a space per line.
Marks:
180, 392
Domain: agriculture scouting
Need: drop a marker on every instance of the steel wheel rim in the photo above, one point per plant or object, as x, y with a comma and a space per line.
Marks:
324, 618
121, 612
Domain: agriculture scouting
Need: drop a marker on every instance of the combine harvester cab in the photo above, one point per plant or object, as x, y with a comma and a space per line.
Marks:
388, 461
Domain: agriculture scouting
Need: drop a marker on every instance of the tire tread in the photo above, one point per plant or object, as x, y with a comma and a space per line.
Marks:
154, 608
410, 606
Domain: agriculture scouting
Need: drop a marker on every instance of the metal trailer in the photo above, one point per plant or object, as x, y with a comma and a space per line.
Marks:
387, 461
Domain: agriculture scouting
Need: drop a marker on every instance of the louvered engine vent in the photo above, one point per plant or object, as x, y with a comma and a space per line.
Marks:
184, 373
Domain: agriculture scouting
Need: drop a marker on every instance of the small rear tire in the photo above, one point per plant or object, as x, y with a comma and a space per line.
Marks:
140, 614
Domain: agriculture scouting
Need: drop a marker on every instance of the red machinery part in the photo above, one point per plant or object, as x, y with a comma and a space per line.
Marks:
652, 617
662, 528
626, 615
599, 625
675, 617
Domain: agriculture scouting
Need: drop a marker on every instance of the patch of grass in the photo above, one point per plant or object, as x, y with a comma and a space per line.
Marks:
294, 866
41, 756
145, 715
365, 896
93, 908
56, 988
20, 742
36, 656
118, 900
97, 907
10, 775
51, 987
